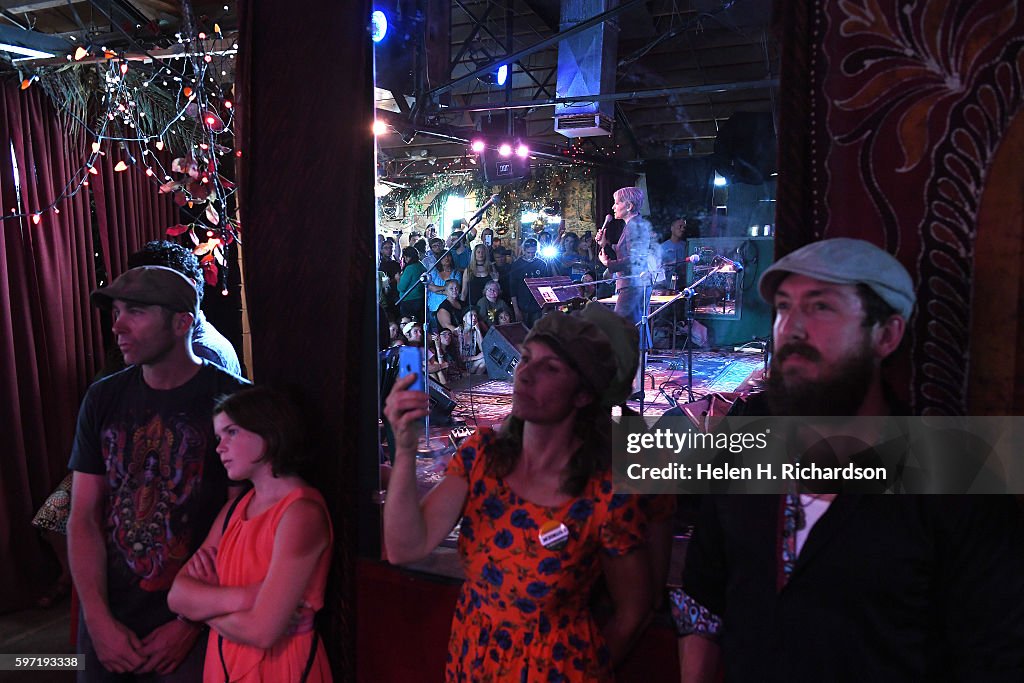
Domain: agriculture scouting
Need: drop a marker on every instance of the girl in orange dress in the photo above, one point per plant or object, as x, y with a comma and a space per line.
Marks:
540, 520
259, 576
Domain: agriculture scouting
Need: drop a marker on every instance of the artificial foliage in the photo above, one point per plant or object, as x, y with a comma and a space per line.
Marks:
134, 110
545, 186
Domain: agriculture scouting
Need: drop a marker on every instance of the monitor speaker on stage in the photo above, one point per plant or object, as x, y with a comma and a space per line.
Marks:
501, 349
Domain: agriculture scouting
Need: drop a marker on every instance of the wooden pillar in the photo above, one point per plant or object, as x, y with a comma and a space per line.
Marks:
307, 208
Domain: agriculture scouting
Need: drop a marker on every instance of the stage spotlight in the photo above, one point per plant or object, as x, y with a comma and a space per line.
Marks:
522, 151
549, 252
720, 181
502, 74
505, 149
379, 128
379, 26
477, 146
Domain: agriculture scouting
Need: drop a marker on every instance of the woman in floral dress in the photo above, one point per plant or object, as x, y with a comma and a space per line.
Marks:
540, 521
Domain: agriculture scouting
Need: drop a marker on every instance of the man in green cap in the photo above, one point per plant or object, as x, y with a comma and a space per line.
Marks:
147, 482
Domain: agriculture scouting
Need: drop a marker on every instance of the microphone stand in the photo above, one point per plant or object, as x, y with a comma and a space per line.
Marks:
688, 293
425, 280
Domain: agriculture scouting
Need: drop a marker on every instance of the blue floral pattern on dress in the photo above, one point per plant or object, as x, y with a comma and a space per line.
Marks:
522, 613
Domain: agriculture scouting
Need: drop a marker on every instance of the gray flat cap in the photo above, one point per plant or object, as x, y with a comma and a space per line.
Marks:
846, 261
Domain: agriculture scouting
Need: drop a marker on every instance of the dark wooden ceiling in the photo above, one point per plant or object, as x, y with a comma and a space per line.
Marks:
117, 24
710, 58
714, 57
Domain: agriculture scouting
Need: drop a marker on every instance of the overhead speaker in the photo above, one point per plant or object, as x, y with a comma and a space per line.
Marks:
498, 169
501, 349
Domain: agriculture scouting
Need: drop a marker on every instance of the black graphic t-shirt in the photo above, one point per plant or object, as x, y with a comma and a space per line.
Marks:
165, 481
521, 270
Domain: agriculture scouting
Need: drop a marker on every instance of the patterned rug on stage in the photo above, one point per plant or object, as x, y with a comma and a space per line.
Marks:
490, 401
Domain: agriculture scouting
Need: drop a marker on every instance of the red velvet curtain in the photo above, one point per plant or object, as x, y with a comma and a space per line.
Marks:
49, 336
129, 211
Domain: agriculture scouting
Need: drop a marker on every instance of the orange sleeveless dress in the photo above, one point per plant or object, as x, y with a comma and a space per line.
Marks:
244, 558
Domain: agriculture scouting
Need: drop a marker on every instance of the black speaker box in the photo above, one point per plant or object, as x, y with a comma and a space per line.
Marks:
499, 170
501, 349
441, 399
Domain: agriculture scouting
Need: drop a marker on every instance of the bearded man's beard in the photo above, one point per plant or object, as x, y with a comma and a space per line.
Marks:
840, 392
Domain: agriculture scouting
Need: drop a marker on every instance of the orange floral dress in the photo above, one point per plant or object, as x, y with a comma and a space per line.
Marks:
522, 613
243, 558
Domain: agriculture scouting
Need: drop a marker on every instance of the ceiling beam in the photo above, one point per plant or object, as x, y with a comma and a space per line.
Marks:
627, 95
213, 46
21, 6
548, 18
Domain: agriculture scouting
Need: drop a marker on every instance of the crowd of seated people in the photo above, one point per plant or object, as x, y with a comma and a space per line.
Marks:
480, 278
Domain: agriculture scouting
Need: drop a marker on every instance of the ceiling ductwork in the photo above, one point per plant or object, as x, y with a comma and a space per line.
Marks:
586, 67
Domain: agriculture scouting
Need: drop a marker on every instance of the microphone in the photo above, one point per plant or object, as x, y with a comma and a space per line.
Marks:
480, 212
729, 262
607, 220
693, 258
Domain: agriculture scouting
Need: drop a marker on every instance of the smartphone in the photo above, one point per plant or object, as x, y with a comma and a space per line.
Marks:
488, 239
410, 362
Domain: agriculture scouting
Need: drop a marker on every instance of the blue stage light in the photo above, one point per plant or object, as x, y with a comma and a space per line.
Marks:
379, 24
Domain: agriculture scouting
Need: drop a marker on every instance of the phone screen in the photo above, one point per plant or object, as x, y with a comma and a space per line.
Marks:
410, 361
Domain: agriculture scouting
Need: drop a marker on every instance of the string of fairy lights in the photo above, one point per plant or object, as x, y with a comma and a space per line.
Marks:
140, 106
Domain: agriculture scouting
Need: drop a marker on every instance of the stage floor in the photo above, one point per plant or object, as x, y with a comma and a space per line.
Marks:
482, 402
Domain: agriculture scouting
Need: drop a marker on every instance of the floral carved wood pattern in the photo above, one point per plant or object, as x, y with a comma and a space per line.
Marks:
916, 100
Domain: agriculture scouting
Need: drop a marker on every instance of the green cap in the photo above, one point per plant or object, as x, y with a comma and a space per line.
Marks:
601, 346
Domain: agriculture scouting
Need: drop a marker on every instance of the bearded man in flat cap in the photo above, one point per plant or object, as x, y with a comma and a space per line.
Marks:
812, 586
